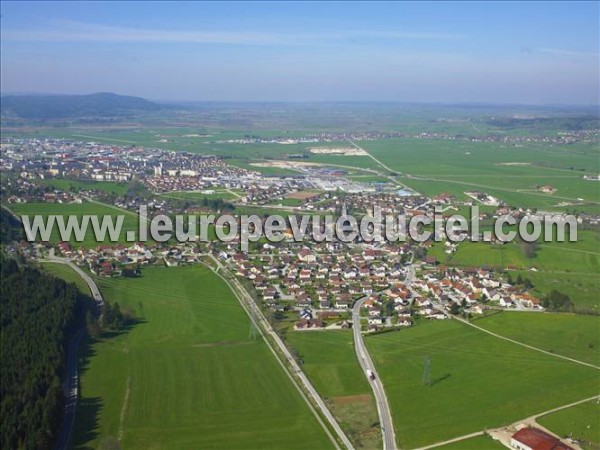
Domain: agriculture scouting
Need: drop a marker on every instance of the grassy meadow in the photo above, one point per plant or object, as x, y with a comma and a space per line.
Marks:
66, 184
187, 375
572, 335
474, 443
477, 381
330, 363
512, 172
130, 221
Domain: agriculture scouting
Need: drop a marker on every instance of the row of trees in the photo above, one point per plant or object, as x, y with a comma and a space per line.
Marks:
111, 319
38, 315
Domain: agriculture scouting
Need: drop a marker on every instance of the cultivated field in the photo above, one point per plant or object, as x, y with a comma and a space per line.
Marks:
77, 185
130, 222
436, 166
475, 443
330, 362
188, 375
572, 335
477, 381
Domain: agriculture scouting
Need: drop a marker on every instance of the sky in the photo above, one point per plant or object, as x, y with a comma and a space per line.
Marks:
430, 52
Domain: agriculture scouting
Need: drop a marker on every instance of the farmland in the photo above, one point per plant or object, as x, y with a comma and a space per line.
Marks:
330, 363
575, 336
77, 185
476, 381
475, 443
510, 172
187, 375
130, 221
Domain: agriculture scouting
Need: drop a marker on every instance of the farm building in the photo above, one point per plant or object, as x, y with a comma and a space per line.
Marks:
536, 439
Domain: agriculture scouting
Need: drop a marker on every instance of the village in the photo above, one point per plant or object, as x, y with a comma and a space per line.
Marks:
314, 284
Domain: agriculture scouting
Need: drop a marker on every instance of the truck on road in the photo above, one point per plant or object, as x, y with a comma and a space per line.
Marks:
370, 374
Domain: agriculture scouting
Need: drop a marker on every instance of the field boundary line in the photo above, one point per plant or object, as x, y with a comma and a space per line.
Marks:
258, 319
494, 188
522, 344
529, 418
124, 408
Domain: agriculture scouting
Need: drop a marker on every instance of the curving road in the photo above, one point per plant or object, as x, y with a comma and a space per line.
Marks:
383, 409
71, 383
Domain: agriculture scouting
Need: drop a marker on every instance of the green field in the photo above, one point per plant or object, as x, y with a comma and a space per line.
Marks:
330, 362
510, 172
575, 336
66, 273
188, 375
66, 185
581, 422
130, 221
475, 443
199, 196
477, 381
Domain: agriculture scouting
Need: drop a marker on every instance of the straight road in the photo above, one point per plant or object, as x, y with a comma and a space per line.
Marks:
71, 391
366, 363
263, 326
71, 383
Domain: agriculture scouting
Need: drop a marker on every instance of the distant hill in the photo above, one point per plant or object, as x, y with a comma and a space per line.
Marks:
73, 106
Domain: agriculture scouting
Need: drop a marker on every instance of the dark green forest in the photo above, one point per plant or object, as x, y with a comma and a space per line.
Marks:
39, 314
10, 228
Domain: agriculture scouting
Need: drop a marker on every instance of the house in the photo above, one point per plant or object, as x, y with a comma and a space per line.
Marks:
305, 324
342, 304
305, 274
376, 320
374, 312
305, 255
404, 322
437, 315
536, 439
269, 294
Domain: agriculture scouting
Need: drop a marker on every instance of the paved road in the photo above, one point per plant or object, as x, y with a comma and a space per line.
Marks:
71, 391
366, 363
263, 326
71, 383
91, 284
383, 409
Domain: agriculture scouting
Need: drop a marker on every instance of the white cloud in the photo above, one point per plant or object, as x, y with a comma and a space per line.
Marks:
72, 31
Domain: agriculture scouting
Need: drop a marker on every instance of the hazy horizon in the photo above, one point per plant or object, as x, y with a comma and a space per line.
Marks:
526, 53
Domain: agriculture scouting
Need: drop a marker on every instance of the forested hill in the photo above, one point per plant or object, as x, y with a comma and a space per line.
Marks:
38, 315
73, 106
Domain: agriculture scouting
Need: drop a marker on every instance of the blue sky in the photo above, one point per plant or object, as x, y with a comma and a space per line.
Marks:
504, 52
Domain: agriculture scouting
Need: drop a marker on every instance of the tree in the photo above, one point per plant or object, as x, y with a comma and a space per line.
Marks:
557, 301
93, 329
454, 309
529, 249
39, 314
